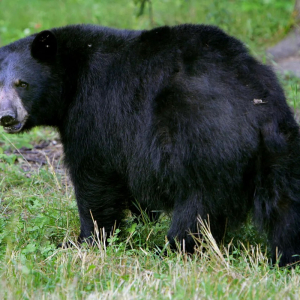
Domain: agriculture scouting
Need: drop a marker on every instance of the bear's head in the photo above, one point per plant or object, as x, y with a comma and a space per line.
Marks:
29, 81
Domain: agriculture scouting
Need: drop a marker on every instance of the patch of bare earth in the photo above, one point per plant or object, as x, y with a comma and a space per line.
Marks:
46, 153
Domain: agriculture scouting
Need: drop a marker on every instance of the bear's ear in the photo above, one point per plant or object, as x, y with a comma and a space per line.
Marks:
44, 46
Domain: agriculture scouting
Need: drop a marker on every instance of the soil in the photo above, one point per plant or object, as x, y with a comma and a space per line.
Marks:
46, 153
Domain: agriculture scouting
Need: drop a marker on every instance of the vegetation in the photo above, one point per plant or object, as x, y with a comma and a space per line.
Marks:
37, 206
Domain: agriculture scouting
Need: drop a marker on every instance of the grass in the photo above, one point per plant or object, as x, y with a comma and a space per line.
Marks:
37, 206
256, 22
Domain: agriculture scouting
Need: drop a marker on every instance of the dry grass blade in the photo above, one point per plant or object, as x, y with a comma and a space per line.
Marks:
52, 170
211, 242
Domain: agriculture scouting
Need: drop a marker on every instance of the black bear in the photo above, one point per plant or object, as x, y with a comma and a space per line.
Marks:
180, 119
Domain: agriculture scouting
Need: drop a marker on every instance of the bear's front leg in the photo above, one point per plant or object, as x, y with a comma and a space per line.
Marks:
101, 202
94, 218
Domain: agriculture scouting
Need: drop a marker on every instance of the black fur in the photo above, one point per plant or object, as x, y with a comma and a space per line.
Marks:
180, 119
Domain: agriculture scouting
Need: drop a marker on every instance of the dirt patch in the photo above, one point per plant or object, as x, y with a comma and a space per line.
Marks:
44, 153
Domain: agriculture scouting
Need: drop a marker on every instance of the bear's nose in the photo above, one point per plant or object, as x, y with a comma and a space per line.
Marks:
7, 119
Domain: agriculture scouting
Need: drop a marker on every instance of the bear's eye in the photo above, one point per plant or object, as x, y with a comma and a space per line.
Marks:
21, 84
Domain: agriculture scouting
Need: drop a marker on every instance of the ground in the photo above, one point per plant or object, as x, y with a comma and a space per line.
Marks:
48, 152
285, 56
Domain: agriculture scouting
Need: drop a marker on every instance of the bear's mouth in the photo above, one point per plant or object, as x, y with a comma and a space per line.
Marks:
14, 128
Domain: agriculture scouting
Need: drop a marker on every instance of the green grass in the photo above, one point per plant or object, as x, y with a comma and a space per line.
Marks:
256, 22
38, 210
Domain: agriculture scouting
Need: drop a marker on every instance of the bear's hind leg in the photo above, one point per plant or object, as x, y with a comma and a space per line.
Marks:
277, 195
185, 224
284, 233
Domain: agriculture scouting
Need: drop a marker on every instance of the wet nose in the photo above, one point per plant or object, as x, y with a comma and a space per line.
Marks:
7, 118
